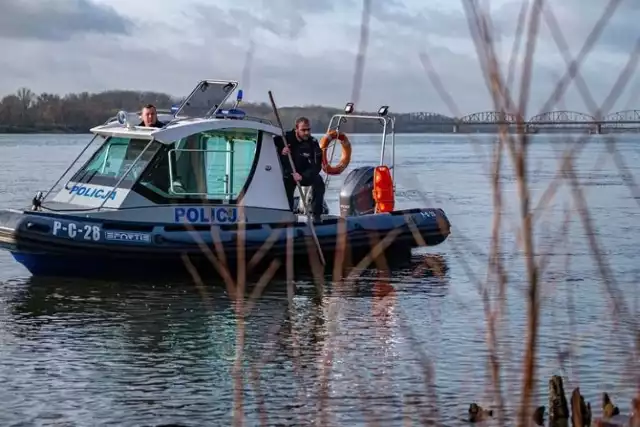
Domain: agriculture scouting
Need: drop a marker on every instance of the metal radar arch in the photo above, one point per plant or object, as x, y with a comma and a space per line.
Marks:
388, 127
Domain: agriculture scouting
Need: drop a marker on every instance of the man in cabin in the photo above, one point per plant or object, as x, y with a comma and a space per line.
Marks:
150, 117
307, 158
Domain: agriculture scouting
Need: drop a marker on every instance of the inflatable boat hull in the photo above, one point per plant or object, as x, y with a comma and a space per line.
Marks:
73, 246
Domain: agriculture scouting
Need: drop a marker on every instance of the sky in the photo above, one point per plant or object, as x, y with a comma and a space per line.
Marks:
305, 50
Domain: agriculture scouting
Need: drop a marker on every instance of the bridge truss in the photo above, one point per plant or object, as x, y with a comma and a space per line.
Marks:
623, 119
427, 116
488, 117
550, 119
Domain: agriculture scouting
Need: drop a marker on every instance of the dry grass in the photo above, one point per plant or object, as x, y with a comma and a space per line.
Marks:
513, 147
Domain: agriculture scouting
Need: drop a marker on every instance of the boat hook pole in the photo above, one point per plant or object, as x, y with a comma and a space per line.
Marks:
293, 168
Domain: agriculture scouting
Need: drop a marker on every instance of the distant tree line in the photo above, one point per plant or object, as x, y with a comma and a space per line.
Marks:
28, 112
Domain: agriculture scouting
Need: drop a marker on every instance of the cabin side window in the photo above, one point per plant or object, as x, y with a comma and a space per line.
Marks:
111, 161
215, 165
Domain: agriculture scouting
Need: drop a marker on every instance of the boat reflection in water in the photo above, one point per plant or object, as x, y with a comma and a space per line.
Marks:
156, 354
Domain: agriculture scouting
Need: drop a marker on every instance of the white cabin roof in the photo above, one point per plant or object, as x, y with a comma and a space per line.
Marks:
198, 112
182, 128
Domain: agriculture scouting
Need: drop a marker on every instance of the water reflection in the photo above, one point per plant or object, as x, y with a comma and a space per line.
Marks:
83, 356
157, 354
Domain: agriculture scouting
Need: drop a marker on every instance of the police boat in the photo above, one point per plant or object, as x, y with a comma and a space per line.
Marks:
207, 184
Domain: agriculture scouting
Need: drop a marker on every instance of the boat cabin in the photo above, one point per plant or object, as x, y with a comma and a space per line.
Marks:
205, 165
202, 156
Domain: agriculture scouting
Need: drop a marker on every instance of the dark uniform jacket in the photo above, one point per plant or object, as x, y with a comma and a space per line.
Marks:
306, 155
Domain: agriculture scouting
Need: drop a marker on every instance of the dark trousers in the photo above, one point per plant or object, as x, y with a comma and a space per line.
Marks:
317, 193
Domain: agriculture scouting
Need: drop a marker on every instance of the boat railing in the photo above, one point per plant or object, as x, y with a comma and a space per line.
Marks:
388, 126
184, 118
259, 120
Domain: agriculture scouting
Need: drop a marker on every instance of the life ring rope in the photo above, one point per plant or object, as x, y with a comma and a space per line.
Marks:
345, 158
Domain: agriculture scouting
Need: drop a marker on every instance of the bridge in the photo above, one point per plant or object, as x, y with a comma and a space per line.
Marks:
620, 121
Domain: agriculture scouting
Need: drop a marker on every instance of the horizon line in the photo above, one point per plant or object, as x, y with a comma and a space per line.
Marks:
175, 99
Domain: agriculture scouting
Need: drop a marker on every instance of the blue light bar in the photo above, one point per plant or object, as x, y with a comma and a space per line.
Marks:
232, 113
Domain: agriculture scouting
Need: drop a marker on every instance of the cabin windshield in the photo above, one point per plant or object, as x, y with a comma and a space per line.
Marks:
111, 161
215, 165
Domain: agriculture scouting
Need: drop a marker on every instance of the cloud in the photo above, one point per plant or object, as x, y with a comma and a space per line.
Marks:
304, 50
59, 20
577, 19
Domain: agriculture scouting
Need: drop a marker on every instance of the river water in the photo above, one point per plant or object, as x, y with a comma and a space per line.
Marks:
93, 353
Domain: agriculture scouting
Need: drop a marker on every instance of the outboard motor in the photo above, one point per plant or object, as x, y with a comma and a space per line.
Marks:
356, 195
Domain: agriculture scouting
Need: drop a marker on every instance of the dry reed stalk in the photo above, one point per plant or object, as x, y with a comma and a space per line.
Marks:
490, 69
620, 310
358, 74
220, 267
257, 386
197, 280
570, 302
340, 257
573, 67
563, 47
545, 257
520, 165
238, 389
325, 366
262, 283
375, 252
533, 310
489, 314
417, 237
515, 49
327, 352
494, 70
317, 269
236, 290
236, 293
382, 267
626, 176
480, 29
495, 267
334, 308
580, 143
268, 244
295, 341
427, 370
614, 94
429, 69
248, 65
341, 226
484, 44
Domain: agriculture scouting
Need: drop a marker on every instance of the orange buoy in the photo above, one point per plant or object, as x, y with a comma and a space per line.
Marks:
383, 189
345, 158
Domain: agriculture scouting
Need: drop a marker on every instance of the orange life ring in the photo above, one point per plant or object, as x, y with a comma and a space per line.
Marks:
345, 158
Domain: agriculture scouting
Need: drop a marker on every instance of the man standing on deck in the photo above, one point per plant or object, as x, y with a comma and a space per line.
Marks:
150, 117
307, 158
